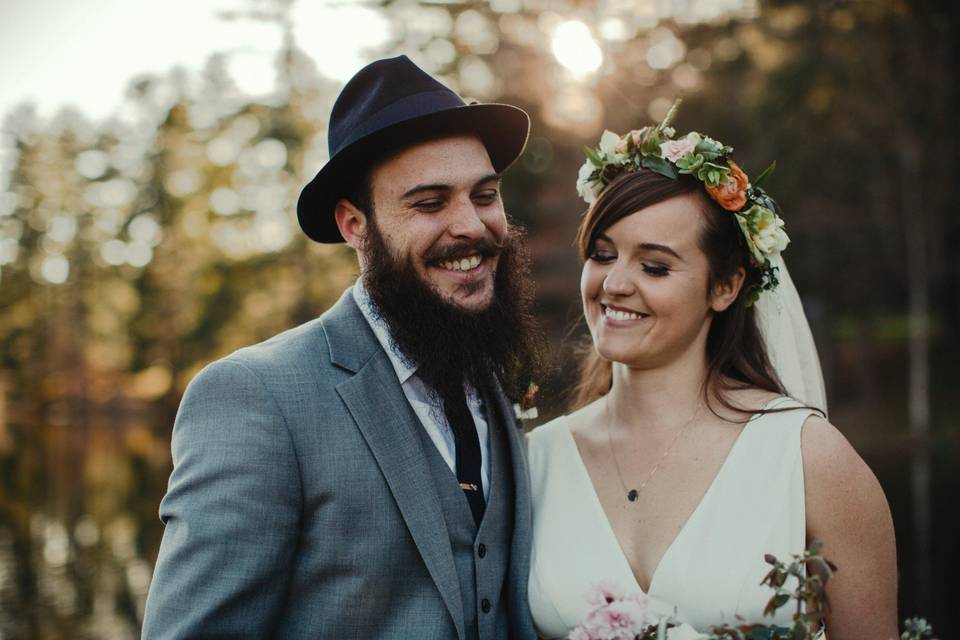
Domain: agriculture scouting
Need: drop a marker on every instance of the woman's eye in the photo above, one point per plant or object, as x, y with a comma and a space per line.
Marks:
602, 257
656, 270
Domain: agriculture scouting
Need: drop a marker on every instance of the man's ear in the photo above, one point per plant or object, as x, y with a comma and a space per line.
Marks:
352, 223
724, 293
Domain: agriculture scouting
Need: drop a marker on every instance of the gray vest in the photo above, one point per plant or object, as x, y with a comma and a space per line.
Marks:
482, 557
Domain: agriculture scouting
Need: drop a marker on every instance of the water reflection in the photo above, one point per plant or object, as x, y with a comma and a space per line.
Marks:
80, 531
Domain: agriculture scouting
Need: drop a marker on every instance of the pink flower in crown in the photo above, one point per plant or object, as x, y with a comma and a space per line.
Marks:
673, 150
636, 136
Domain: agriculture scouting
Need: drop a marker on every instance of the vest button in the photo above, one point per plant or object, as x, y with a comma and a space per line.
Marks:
485, 605
482, 550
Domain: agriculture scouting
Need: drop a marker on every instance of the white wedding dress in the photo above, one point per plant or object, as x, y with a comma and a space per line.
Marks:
710, 574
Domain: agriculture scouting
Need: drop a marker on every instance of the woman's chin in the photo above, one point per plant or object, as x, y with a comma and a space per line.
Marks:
619, 355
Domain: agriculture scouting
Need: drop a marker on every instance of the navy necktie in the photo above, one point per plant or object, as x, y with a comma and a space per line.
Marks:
468, 457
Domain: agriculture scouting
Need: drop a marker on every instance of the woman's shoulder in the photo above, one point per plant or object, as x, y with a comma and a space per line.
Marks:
842, 493
827, 454
837, 479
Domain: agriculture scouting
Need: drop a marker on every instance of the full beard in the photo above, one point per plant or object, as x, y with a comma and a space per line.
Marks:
450, 345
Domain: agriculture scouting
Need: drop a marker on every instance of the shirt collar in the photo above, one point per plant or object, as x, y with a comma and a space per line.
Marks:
401, 365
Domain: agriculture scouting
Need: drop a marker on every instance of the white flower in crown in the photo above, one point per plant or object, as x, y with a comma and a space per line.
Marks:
608, 143
587, 188
771, 238
610, 154
764, 232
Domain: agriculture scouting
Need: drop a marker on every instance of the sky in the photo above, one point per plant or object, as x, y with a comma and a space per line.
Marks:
83, 53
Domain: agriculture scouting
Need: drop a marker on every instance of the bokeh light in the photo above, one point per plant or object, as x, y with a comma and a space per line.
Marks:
665, 49
55, 269
574, 47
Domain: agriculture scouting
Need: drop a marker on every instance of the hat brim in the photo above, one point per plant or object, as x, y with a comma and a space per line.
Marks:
502, 128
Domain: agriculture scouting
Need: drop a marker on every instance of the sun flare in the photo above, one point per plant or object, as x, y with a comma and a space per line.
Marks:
574, 47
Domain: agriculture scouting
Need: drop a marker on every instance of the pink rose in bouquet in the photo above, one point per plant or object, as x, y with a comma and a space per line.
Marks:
615, 615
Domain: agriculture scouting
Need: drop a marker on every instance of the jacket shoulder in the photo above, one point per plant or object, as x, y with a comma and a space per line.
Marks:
291, 349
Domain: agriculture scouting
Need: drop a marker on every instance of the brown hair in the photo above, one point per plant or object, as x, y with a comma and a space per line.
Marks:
736, 355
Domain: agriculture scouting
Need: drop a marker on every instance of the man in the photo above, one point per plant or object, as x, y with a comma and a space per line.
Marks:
362, 475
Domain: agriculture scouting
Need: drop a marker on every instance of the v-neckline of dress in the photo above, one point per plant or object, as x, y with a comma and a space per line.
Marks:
598, 505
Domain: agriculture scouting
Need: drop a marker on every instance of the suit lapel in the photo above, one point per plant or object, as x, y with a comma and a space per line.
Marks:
388, 424
502, 412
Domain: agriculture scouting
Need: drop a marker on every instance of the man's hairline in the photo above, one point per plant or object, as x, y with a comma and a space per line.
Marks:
371, 167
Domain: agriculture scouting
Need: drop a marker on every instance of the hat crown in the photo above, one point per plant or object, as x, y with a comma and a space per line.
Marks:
379, 85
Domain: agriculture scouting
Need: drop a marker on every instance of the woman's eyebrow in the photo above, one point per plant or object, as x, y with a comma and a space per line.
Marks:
662, 248
646, 246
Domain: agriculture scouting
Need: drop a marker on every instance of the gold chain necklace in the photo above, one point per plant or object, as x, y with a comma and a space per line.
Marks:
633, 494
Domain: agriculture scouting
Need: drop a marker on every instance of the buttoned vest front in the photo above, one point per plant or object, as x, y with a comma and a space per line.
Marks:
481, 555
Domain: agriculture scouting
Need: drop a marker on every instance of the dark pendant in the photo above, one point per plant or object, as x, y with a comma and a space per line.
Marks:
632, 495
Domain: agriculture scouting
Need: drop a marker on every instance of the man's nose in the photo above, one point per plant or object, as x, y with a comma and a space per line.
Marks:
466, 221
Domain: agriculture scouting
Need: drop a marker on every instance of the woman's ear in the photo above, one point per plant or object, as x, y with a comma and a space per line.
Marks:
351, 222
724, 293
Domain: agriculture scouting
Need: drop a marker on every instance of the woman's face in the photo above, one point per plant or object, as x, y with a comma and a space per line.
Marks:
644, 286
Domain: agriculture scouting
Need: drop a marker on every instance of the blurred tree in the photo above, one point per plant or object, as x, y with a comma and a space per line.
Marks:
131, 256
134, 252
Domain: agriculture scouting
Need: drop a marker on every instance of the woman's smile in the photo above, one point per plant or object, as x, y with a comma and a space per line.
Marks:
616, 316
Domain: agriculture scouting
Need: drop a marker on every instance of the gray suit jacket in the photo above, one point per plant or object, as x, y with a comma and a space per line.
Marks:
300, 503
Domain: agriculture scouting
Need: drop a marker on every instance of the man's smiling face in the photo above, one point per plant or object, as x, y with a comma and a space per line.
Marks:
437, 205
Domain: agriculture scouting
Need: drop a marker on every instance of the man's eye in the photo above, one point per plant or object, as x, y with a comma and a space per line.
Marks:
428, 205
656, 270
487, 197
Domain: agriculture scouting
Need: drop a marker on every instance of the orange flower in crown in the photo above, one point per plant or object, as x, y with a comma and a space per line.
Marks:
732, 193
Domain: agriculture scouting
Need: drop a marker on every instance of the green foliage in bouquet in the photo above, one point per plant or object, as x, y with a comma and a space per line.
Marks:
917, 629
810, 573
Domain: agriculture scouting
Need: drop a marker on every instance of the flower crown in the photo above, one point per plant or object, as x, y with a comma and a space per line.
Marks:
654, 148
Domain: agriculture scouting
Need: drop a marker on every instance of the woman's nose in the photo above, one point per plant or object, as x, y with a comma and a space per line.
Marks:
618, 282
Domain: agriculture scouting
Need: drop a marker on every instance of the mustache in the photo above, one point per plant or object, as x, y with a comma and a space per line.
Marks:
486, 247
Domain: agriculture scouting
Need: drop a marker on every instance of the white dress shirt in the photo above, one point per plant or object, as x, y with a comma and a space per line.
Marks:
423, 399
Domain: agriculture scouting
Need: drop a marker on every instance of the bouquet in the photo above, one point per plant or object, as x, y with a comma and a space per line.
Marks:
620, 616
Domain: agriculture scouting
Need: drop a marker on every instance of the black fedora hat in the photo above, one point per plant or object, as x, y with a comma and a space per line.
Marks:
387, 105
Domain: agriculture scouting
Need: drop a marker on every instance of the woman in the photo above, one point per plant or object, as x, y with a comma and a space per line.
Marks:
685, 461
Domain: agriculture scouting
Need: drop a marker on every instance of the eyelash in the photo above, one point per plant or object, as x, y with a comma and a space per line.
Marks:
657, 271
596, 256
428, 205
482, 199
